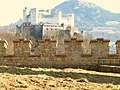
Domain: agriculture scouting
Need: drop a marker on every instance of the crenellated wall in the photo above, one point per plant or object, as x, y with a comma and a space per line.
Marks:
66, 53
3, 47
22, 47
118, 47
100, 47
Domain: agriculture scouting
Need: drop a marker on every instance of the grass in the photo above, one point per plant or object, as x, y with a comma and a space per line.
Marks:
57, 79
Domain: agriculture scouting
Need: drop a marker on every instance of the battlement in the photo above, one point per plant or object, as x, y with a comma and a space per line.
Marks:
99, 40
117, 42
66, 53
3, 47
26, 24
97, 45
22, 47
48, 40
73, 40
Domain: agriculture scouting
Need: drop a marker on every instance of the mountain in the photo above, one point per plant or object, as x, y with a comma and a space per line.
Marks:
89, 15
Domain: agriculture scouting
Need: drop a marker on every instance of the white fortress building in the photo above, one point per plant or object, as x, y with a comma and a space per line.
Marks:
36, 16
46, 24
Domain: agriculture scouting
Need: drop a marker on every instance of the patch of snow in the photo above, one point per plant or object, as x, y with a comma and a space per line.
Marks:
98, 11
84, 2
118, 31
109, 23
106, 31
76, 7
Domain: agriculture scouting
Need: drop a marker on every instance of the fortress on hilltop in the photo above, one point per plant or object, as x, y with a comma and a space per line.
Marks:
36, 16
41, 24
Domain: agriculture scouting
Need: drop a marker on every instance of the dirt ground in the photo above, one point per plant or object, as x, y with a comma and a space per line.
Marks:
17, 78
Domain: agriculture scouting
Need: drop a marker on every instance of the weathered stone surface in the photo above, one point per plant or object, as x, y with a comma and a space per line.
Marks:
59, 54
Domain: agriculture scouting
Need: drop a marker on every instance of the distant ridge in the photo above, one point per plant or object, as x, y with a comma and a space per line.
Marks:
88, 15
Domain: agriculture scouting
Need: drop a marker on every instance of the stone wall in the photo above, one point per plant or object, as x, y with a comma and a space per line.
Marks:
52, 53
107, 68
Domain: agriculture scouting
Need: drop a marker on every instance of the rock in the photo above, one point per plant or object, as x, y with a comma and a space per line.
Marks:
82, 80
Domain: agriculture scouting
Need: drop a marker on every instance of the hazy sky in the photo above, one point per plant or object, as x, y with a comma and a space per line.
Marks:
11, 10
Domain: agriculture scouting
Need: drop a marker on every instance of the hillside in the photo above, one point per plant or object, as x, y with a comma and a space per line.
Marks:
87, 15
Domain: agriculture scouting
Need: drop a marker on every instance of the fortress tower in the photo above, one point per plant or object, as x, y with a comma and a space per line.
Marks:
52, 24
36, 16
24, 13
71, 20
33, 16
60, 17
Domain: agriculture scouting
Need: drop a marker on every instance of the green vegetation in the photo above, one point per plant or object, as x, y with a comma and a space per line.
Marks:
57, 79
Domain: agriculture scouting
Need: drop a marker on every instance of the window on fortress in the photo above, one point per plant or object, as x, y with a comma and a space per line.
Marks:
46, 28
51, 29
